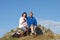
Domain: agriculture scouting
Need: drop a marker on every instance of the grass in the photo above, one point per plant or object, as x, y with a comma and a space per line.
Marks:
39, 37
47, 35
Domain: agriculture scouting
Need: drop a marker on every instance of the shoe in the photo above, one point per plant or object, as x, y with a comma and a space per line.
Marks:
33, 33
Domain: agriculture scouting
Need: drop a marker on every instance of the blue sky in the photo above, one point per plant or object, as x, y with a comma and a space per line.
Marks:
11, 10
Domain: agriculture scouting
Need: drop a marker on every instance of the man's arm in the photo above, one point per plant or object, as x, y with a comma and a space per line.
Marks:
35, 22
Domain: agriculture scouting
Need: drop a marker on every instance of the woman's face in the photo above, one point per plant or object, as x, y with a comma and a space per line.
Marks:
24, 15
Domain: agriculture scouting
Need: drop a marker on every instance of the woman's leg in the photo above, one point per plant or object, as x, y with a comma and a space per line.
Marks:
25, 31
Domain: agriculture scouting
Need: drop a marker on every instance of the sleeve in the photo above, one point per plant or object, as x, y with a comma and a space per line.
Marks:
28, 21
21, 20
35, 22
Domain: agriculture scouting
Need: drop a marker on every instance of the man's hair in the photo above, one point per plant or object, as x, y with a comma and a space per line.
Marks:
31, 13
24, 13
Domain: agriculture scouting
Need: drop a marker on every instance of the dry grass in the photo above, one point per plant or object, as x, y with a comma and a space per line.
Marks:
47, 35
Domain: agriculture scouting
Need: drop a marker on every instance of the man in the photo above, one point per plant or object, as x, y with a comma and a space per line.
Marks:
32, 23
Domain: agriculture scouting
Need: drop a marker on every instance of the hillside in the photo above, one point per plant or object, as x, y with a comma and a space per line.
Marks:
47, 35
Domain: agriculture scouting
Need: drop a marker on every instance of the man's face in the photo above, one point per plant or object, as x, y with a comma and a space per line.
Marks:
31, 14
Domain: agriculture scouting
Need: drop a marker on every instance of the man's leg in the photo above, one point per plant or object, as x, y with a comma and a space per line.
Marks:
35, 30
32, 29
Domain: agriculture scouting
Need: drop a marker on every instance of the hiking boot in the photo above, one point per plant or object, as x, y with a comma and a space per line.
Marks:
33, 33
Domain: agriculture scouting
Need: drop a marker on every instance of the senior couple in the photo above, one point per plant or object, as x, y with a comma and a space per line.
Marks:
29, 22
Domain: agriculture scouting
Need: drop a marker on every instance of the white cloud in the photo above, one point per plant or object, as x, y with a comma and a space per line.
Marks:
2, 30
51, 24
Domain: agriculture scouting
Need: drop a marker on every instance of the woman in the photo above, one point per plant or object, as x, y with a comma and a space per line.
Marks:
23, 22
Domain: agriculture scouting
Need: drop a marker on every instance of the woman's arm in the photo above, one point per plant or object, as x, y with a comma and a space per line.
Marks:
21, 21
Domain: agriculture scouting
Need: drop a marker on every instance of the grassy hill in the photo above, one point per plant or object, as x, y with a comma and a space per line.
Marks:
47, 35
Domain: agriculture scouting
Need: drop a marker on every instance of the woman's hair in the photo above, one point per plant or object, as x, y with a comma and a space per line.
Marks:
24, 13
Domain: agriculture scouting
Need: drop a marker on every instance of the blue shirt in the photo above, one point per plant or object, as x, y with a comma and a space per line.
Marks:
31, 20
